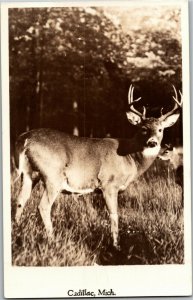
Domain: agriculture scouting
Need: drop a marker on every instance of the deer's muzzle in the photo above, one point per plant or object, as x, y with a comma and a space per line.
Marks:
152, 143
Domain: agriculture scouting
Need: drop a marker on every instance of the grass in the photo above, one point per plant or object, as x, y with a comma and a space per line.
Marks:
151, 226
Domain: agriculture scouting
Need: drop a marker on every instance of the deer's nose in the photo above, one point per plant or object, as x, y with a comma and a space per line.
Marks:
152, 143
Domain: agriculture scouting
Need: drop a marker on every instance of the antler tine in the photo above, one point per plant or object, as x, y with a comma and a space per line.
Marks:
176, 96
131, 101
132, 89
132, 95
129, 94
177, 105
144, 112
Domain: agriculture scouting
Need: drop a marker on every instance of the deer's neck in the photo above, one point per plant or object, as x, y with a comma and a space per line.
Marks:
136, 155
126, 147
143, 159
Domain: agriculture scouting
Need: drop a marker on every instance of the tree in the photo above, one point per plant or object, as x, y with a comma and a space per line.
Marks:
89, 56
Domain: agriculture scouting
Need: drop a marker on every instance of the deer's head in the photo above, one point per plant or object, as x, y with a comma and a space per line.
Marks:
166, 152
150, 130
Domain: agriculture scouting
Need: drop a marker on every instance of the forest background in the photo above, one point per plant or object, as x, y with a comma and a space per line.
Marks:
70, 68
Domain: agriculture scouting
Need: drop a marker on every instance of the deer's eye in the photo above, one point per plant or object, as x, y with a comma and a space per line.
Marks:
160, 130
144, 130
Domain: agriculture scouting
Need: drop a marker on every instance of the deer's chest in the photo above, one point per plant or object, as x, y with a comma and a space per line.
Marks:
128, 177
118, 174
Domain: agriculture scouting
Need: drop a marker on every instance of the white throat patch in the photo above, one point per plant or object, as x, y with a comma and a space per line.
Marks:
151, 151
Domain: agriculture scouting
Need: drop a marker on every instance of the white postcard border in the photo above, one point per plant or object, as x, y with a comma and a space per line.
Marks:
36, 282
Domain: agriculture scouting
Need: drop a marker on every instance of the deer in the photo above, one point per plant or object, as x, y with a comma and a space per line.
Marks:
173, 155
82, 164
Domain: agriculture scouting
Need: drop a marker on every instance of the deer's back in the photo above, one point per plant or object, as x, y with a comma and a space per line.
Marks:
84, 162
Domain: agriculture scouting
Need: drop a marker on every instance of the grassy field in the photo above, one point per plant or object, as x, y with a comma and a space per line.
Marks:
150, 226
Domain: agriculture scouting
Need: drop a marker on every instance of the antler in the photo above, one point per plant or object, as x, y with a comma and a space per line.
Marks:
177, 105
131, 101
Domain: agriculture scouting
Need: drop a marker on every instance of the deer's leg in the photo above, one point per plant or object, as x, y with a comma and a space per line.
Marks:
24, 194
45, 206
110, 196
36, 180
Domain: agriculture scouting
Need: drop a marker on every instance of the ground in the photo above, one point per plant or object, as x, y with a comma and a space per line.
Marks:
151, 226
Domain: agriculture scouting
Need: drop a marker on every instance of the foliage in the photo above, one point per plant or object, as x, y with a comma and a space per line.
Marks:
86, 57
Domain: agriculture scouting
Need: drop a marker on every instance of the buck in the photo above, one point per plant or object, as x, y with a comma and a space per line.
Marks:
80, 164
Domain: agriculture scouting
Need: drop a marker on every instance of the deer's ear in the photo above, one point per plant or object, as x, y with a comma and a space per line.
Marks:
171, 120
133, 118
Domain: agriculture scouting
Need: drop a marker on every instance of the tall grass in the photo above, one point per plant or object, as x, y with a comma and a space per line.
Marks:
150, 226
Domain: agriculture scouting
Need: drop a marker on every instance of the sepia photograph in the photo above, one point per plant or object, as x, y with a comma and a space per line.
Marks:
98, 163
